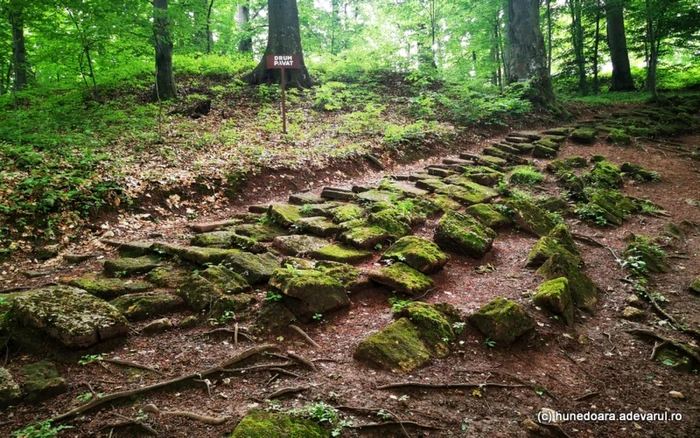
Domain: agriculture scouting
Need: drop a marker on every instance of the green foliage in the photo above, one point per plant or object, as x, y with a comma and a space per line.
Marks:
43, 429
591, 213
526, 175
90, 358
489, 343
459, 327
397, 304
273, 296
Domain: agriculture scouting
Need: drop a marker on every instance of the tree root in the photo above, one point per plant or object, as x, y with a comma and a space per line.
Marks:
310, 365
285, 391
214, 421
685, 348
303, 334
678, 326
235, 332
451, 385
127, 363
397, 423
95, 402
126, 421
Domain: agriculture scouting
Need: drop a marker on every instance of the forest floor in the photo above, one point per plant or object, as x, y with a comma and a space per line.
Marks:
594, 366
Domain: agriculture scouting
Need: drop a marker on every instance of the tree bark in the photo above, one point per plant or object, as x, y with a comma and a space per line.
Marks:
527, 59
653, 54
549, 36
19, 51
242, 19
617, 42
165, 79
596, 47
283, 38
577, 42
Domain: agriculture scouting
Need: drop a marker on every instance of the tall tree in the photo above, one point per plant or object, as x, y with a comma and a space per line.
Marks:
526, 55
242, 23
283, 38
617, 42
165, 79
577, 40
20, 64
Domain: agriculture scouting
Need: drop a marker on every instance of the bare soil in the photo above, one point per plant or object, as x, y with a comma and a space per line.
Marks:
595, 366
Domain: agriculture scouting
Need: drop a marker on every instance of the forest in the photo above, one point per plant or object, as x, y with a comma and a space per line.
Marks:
441, 218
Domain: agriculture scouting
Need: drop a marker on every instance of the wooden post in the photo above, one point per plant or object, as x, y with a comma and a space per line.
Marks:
284, 102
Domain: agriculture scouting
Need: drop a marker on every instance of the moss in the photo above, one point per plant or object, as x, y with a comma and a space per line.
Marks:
530, 217
463, 234
309, 292
547, 143
365, 237
694, 286
618, 136
341, 253
107, 288
403, 279
545, 248
642, 248
418, 253
136, 307
393, 221
638, 172
199, 293
216, 239
260, 232
555, 138
130, 266
197, 254
611, 205
348, 212
554, 204
273, 317
605, 175
232, 303
583, 291
494, 163
541, 151
9, 389
167, 276
672, 358
284, 215
483, 175
466, 191
135, 249
502, 320
576, 162
261, 424
41, 381
319, 226
255, 268
431, 184
564, 238
228, 281
371, 196
555, 296
489, 216
527, 175
435, 330
398, 347
584, 135
349, 276
444, 203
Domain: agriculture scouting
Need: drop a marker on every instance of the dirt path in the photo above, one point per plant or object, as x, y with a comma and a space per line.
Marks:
595, 366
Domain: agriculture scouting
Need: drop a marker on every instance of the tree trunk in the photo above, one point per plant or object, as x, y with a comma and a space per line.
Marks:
242, 22
549, 36
210, 38
653, 55
283, 38
526, 57
19, 52
165, 80
577, 42
621, 75
596, 46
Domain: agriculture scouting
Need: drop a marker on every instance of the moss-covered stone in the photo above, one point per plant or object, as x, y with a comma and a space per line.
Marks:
643, 249
229, 282
466, 191
434, 328
9, 389
694, 286
583, 291
284, 215
547, 143
298, 245
134, 249
489, 216
255, 268
402, 278
633, 314
531, 218
563, 131
483, 175
545, 248
418, 253
349, 276
305, 198
41, 381
494, 163
541, 151
71, 316
406, 189
167, 276
554, 204
638, 172
584, 135
554, 295
126, 266
214, 239
564, 238
611, 205
319, 226
197, 254
502, 320
394, 221
431, 184
371, 196
107, 288
341, 253
365, 236
238, 304
605, 175
262, 424
672, 358
260, 232
326, 209
137, 307
348, 212
463, 234
273, 317
443, 203
309, 292
555, 138
398, 348
199, 293
618, 136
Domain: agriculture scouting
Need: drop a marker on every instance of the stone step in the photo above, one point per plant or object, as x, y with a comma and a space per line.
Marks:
337, 193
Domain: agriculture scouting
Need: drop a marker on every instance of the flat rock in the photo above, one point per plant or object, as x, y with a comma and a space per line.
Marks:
137, 307
633, 314
398, 348
502, 320
309, 292
305, 198
554, 295
319, 226
158, 326
41, 381
365, 236
489, 216
69, 315
418, 253
10, 392
284, 215
463, 234
402, 278
584, 135
531, 218
197, 254
407, 189
377, 196
341, 253
127, 266
255, 268
107, 288
299, 244
337, 194
260, 423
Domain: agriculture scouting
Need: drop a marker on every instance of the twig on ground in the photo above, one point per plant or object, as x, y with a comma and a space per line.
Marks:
285, 391
126, 421
556, 428
214, 421
283, 371
679, 345
95, 402
241, 331
396, 423
678, 326
302, 360
254, 368
587, 395
303, 334
451, 385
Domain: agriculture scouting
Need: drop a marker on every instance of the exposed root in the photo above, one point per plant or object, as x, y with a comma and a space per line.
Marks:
402, 424
290, 390
670, 318
303, 334
126, 422
451, 385
95, 402
127, 363
310, 365
214, 421
685, 348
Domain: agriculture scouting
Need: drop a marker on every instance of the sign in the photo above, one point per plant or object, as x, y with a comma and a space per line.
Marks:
282, 62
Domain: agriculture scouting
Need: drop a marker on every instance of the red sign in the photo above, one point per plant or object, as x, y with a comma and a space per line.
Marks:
283, 61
